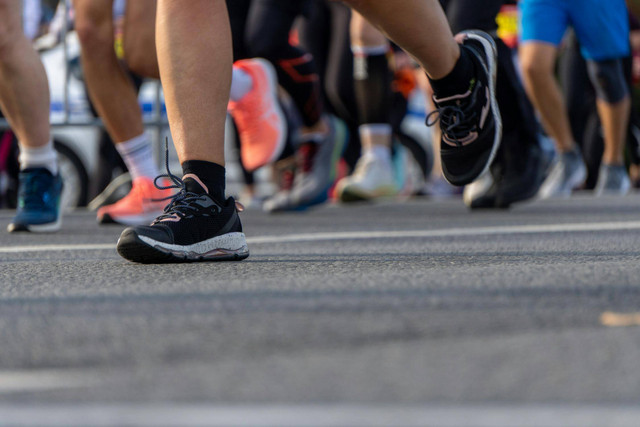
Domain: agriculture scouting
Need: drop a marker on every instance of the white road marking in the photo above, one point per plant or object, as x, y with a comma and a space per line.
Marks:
40, 380
56, 248
367, 235
451, 232
319, 415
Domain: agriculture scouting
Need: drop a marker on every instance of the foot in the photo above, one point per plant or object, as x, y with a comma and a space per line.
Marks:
141, 206
522, 182
372, 178
470, 121
316, 165
612, 180
566, 175
193, 227
507, 184
258, 116
39, 207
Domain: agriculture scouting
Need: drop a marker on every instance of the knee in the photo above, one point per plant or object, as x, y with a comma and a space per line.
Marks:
95, 31
608, 80
535, 69
142, 60
364, 33
139, 38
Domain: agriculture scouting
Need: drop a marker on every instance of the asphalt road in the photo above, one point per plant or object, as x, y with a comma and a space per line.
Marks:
419, 313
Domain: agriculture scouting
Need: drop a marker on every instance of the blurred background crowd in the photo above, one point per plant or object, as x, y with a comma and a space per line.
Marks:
338, 80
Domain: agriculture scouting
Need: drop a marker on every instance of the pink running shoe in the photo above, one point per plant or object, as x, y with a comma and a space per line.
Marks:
258, 116
139, 207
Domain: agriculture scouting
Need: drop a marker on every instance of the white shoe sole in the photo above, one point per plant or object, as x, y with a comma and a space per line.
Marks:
220, 247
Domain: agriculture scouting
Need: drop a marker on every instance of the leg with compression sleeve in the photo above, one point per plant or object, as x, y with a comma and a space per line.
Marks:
614, 104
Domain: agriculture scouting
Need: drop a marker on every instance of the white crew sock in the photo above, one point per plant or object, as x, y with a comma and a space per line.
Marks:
241, 84
375, 131
39, 157
137, 154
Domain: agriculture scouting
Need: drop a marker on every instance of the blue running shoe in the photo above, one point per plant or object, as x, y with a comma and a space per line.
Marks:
39, 208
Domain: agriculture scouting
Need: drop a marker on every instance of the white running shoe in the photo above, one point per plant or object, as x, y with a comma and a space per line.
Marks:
567, 174
373, 178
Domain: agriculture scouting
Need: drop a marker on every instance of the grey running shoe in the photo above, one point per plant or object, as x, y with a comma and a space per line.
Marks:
315, 172
612, 180
568, 173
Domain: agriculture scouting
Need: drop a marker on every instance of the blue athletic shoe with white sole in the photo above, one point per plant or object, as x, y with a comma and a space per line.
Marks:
39, 207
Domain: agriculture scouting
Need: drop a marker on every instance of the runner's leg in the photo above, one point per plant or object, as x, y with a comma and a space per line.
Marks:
24, 98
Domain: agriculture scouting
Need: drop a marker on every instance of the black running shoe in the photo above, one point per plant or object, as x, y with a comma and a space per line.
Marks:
470, 122
193, 227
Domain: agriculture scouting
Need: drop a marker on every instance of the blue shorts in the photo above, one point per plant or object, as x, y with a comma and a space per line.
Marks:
602, 26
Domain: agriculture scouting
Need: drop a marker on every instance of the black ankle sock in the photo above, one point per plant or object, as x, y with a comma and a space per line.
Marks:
458, 80
211, 174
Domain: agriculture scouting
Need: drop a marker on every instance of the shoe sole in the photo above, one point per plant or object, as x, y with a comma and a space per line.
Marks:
50, 227
31, 228
347, 195
141, 249
491, 53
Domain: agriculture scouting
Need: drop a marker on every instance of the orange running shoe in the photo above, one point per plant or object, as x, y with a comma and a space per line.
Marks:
258, 116
140, 207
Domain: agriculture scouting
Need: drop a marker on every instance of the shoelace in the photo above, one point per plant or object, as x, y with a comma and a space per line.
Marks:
181, 202
456, 123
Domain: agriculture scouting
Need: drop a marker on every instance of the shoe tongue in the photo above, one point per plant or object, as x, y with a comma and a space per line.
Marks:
193, 184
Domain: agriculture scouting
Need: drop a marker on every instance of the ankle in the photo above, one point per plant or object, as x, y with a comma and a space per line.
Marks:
458, 80
39, 157
212, 175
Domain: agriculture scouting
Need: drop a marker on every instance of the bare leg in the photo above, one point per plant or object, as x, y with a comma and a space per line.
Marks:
419, 27
196, 80
537, 61
193, 41
615, 119
24, 91
24, 98
109, 86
